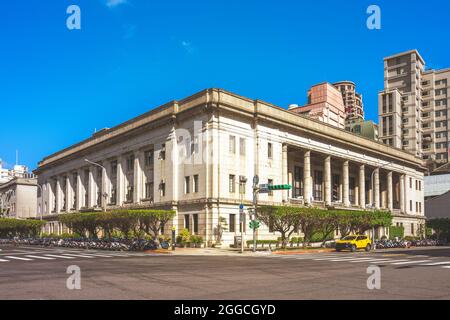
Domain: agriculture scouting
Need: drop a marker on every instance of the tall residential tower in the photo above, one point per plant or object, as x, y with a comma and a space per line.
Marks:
413, 108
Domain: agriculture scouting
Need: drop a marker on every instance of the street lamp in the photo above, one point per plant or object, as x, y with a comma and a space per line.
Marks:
104, 194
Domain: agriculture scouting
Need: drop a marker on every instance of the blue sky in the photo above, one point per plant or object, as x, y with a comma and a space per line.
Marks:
57, 86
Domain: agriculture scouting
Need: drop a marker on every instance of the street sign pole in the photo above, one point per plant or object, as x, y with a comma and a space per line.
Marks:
241, 218
255, 207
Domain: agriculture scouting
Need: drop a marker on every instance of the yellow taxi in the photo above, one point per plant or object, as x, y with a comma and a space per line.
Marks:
353, 243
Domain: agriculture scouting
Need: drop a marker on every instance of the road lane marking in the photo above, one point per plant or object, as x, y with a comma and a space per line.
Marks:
40, 257
18, 258
100, 255
410, 262
58, 256
2, 260
371, 260
78, 255
351, 259
435, 263
446, 267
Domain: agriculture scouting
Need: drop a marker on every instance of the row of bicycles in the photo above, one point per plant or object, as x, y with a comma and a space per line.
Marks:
401, 243
84, 243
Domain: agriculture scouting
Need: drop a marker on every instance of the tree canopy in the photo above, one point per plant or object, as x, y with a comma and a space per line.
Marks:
287, 219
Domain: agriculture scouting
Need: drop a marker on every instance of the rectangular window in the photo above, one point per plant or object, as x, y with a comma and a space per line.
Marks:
410, 205
148, 158
186, 222
242, 146
162, 188
149, 190
410, 183
196, 183
336, 187
318, 185
231, 183
242, 182
114, 167
269, 151
130, 163
298, 182
351, 189
187, 182
195, 221
232, 144
232, 227
270, 182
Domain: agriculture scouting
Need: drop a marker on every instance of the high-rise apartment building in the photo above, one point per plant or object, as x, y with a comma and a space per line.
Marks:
413, 108
353, 102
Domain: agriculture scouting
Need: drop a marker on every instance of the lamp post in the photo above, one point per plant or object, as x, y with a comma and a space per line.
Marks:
104, 194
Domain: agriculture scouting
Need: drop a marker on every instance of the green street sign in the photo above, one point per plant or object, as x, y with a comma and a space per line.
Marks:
280, 187
254, 224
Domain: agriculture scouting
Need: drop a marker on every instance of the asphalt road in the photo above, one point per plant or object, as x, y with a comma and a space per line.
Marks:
37, 273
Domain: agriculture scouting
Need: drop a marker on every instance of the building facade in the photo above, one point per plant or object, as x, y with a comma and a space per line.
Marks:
18, 198
198, 156
353, 102
413, 108
325, 103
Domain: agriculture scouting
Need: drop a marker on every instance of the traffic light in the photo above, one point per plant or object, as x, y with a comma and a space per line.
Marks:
280, 187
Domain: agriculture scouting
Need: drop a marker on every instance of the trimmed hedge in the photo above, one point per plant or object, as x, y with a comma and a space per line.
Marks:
10, 228
395, 231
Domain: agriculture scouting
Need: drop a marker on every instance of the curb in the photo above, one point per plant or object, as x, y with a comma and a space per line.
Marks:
303, 251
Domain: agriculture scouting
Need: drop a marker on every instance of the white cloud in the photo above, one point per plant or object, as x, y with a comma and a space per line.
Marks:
188, 46
114, 3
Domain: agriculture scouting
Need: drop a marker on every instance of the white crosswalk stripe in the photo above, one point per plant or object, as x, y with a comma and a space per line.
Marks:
411, 262
18, 258
436, 263
78, 255
39, 257
59, 256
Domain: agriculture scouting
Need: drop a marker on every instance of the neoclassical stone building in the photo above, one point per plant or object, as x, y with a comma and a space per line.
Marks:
198, 156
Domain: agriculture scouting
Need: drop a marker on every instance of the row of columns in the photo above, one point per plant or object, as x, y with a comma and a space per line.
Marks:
374, 197
95, 186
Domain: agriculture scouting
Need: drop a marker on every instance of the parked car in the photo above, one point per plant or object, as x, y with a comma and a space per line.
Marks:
353, 243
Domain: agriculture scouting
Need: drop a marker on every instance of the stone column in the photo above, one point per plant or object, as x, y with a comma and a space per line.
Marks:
79, 190
58, 195
91, 189
48, 198
104, 189
284, 171
120, 182
68, 193
377, 189
327, 180
307, 177
345, 184
137, 178
362, 186
390, 192
402, 194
